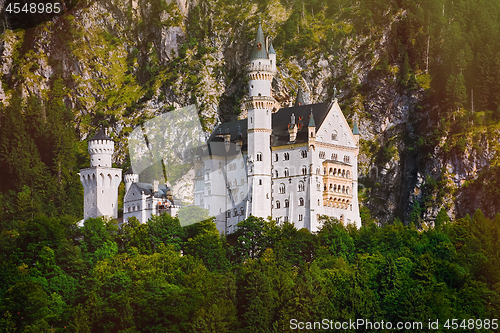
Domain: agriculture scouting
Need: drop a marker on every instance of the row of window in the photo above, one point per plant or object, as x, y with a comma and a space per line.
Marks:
334, 157
235, 212
337, 172
286, 172
337, 188
337, 203
287, 203
285, 218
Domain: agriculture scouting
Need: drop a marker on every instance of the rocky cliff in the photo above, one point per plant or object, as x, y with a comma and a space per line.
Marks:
124, 62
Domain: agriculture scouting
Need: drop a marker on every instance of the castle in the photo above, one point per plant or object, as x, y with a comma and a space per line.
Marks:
101, 181
292, 164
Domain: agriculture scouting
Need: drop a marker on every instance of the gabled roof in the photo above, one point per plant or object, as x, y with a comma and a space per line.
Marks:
100, 135
147, 189
281, 119
280, 124
237, 131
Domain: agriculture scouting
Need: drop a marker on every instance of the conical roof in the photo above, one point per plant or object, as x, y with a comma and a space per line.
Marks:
100, 135
271, 48
311, 120
130, 171
300, 98
259, 48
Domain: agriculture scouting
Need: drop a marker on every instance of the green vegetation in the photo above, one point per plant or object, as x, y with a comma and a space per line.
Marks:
159, 276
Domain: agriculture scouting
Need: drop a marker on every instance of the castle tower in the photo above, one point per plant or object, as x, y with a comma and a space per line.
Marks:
260, 106
130, 178
100, 181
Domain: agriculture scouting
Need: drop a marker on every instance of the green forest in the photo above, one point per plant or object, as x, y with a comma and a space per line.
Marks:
161, 277
442, 55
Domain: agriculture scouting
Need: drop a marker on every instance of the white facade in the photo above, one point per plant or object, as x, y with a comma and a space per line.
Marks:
143, 200
100, 181
293, 164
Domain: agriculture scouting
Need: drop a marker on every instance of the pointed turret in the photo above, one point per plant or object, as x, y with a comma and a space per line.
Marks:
271, 48
300, 98
311, 129
259, 47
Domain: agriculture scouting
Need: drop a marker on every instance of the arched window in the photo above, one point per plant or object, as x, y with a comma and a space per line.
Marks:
301, 201
287, 204
277, 204
276, 157
334, 136
303, 153
276, 173
282, 188
287, 172
242, 211
259, 156
318, 171
331, 187
324, 187
301, 217
343, 173
348, 174
235, 212
347, 190
304, 170
286, 156
318, 186
260, 181
301, 186
330, 171
228, 213
318, 203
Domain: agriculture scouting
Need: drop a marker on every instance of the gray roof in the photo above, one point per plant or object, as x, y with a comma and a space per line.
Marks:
100, 135
259, 47
311, 120
300, 98
130, 171
271, 48
280, 124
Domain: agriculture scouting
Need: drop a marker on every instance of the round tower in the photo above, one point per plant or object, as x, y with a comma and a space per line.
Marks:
101, 148
130, 178
100, 181
260, 105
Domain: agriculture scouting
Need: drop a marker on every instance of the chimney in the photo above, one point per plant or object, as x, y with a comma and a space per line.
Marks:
155, 186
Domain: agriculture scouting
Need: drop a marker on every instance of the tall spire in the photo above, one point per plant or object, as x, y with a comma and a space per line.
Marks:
311, 120
259, 48
300, 97
271, 48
